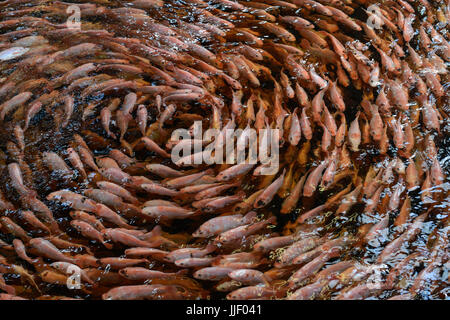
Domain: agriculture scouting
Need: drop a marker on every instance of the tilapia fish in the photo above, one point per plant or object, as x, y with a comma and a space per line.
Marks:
117, 163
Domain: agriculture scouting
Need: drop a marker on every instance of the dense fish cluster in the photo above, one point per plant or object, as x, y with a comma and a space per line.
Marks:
92, 206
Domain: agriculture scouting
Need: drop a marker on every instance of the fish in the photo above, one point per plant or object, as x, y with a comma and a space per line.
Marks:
142, 274
185, 253
267, 195
48, 250
140, 292
8, 106
14, 229
30, 218
169, 212
313, 179
243, 231
218, 225
13, 53
354, 134
125, 238
89, 231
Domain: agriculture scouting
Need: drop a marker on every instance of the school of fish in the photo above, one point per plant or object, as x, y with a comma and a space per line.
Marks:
91, 91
